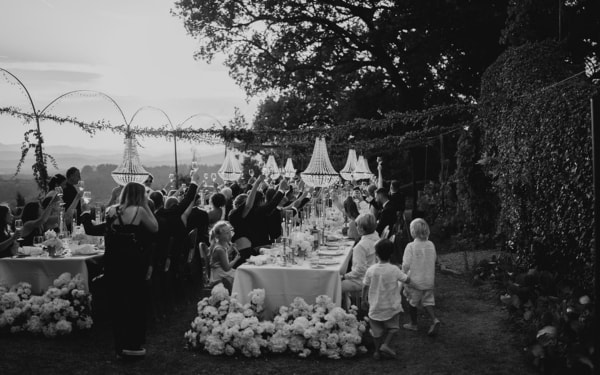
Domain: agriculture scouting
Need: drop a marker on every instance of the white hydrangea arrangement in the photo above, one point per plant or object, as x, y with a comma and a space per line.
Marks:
63, 307
51, 239
225, 326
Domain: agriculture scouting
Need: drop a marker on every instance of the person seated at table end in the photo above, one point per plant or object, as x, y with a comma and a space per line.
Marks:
363, 254
220, 246
8, 240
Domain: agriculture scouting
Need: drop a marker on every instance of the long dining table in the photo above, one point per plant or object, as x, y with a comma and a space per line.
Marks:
283, 283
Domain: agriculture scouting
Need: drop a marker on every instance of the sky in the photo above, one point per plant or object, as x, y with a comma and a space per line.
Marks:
134, 51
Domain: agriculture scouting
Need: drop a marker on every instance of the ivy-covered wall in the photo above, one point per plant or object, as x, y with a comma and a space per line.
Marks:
536, 152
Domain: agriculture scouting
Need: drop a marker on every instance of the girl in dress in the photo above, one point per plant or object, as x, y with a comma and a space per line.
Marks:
220, 247
8, 239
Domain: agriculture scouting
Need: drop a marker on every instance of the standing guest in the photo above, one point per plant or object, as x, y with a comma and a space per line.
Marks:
218, 210
34, 219
370, 198
72, 197
382, 295
363, 255
387, 215
220, 248
148, 183
8, 240
58, 180
396, 197
419, 263
126, 263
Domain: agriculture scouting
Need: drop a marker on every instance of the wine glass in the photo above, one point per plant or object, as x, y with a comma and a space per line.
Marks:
171, 177
194, 165
213, 177
18, 225
87, 197
81, 185
251, 172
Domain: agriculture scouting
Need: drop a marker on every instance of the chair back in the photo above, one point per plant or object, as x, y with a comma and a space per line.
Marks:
205, 254
192, 243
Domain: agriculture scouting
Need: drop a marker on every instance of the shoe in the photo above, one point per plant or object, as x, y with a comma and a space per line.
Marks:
134, 352
377, 356
387, 351
410, 327
435, 327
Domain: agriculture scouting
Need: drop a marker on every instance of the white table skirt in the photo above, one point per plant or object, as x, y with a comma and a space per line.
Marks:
41, 272
283, 284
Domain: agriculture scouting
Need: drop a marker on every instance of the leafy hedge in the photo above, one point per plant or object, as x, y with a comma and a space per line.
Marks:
536, 149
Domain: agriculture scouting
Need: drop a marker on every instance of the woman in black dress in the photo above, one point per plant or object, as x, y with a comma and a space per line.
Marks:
8, 239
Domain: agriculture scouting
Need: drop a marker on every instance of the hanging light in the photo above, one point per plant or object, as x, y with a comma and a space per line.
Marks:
320, 172
362, 171
272, 169
231, 169
289, 171
350, 166
130, 170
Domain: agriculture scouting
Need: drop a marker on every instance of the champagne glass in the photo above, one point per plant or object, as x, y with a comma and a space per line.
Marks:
194, 165
87, 197
251, 172
171, 177
18, 225
59, 191
81, 185
205, 176
213, 177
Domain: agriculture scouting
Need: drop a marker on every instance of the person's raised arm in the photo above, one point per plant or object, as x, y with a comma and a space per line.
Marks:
29, 226
379, 175
147, 217
252, 195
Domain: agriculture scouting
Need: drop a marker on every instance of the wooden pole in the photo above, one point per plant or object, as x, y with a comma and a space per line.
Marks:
595, 112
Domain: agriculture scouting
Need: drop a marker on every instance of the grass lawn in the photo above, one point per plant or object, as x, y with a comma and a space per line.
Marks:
475, 338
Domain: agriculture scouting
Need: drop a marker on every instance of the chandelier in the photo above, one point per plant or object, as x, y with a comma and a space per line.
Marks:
231, 170
271, 169
320, 172
130, 170
362, 171
350, 166
289, 171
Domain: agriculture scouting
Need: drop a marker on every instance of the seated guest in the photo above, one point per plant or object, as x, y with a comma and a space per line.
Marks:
348, 208
58, 180
8, 240
217, 212
259, 216
219, 253
34, 219
240, 220
363, 254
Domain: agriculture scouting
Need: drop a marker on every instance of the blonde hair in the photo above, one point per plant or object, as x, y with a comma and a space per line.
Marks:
133, 194
366, 222
419, 229
218, 229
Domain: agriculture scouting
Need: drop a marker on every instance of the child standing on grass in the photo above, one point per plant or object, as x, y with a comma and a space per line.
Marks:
383, 291
419, 264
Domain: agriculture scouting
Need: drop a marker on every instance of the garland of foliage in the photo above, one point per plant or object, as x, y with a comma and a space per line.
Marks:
394, 130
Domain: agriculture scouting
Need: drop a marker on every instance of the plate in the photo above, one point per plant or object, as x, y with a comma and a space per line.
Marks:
328, 262
316, 267
331, 252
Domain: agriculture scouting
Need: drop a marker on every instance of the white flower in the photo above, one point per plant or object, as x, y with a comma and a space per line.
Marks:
348, 350
229, 350
296, 343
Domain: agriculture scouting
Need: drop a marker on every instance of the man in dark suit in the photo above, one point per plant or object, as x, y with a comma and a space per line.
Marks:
387, 215
397, 199
70, 195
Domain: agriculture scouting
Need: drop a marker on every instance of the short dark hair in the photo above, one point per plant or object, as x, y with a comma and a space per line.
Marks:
71, 171
384, 249
157, 198
218, 200
383, 192
55, 181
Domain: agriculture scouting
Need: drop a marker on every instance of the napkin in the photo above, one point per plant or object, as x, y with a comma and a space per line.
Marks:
31, 250
259, 260
85, 249
333, 237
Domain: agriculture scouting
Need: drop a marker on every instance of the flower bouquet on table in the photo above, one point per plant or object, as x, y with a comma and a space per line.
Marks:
225, 326
63, 307
51, 240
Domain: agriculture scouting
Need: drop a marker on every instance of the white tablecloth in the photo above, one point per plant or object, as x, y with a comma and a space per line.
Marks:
41, 272
283, 284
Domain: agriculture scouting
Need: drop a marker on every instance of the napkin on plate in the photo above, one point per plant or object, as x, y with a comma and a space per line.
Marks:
85, 249
31, 250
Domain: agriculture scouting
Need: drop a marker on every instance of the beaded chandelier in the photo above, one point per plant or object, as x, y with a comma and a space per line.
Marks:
350, 166
289, 171
231, 169
271, 168
320, 172
130, 170
362, 171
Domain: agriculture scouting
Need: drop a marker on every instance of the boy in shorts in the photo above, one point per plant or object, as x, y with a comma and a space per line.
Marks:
383, 291
419, 264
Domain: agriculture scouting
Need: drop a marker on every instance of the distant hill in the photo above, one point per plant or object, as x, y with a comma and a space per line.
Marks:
68, 156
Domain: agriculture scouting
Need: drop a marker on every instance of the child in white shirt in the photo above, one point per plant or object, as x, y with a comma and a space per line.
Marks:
419, 264
383, 291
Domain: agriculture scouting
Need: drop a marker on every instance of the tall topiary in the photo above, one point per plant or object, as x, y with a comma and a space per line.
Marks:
536, 148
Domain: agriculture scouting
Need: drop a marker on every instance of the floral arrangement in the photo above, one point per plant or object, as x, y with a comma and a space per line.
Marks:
51, 239
63, 307
225, 326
